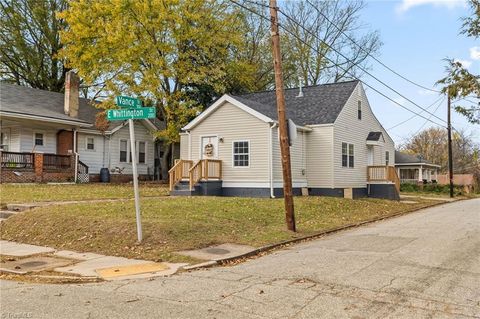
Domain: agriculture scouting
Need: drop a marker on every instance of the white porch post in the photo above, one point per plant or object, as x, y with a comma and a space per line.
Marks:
420, 174
436, 173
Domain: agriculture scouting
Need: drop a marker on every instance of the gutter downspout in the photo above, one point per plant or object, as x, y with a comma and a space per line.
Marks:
270, 158
75, 154
189, 145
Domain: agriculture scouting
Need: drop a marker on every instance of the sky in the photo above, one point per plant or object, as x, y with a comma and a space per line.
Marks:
417, 35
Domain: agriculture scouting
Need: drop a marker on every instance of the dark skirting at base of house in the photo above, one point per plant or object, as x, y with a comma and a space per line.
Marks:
214, 188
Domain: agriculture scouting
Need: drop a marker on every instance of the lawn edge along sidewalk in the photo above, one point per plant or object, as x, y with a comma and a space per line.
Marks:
271, 247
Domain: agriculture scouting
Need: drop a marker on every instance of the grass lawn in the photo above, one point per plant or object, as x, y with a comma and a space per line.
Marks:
176, 223
27, 193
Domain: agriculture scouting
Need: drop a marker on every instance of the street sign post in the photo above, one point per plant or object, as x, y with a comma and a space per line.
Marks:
128, 102
131, 109
131, 114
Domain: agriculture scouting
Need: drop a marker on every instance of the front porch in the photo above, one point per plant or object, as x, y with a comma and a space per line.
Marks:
187, 177
23, 167
423, 174
383, 182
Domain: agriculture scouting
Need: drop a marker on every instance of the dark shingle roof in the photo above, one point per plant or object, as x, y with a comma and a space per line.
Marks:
320, 104
405, 158
374, 136
17, 99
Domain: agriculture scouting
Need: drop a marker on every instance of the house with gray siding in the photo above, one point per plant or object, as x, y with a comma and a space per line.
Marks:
35, 121
338, 146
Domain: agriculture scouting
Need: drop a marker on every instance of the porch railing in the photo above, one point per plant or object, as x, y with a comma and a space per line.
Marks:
382, 173
57, 162
179, 171
18, 160
204, 169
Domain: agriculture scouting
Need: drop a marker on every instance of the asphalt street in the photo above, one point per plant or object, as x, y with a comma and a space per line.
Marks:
421, 265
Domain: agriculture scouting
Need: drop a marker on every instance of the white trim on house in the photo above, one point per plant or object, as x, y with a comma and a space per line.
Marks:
44, 119
318, 125
233, 154
225, 98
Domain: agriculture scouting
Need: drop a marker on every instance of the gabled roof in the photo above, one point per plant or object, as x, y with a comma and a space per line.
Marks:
320, 104
405, 158
374, 136
17, 100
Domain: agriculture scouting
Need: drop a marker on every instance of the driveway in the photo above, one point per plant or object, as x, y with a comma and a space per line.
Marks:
422, 265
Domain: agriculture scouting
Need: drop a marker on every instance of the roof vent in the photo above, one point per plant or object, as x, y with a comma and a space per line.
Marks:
300, 91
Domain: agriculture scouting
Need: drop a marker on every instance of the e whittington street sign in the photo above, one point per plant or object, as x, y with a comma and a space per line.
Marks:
140, 113
131, 109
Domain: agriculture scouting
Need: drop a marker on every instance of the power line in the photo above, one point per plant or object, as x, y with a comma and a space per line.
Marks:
353, 76
442, 98
425, 123
361, 68
368, 53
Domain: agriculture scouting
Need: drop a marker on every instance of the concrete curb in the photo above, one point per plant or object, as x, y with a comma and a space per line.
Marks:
274, 246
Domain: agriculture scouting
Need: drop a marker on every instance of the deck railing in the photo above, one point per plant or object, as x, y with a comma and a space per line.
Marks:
382, 173
179, 171
57, 162
204, 169
18, 160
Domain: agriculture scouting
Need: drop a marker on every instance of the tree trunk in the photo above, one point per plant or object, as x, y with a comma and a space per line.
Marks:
164, 161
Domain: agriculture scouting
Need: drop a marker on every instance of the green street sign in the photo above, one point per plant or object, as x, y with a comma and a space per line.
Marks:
128, 102
134, 114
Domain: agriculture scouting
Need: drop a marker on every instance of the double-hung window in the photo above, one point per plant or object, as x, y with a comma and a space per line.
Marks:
387, 158
90, 143
241, 154
38, 137
123, 151
348, 155
141, 152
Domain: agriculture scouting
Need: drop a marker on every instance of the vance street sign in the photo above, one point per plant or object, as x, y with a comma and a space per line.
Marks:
131, 114
128, 102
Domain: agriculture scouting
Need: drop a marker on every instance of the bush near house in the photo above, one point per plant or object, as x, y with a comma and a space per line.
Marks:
431, 188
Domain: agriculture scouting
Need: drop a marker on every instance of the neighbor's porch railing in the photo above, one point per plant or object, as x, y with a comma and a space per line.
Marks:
17, 160
57, 162
179, 171
382, 173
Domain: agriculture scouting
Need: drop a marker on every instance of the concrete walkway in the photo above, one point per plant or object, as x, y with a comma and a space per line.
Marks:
82, 264
421, 265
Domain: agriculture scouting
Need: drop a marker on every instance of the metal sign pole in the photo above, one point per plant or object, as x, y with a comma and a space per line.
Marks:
135, 180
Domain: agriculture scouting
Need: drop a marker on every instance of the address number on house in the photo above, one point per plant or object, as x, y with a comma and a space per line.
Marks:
134, 114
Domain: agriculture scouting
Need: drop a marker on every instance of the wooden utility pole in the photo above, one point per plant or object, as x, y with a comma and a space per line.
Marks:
450, 152
282, 119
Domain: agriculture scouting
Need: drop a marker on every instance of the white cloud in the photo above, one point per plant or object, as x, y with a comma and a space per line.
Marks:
408, 4
475, 53
465, 63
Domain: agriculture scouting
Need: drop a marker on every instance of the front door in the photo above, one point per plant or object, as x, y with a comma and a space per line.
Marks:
369, 155
209, 147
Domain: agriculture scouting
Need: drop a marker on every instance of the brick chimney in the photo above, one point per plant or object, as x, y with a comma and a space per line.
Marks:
71, 94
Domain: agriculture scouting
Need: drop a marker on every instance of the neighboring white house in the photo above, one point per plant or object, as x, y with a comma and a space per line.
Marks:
338, 137
415, 169
38, 121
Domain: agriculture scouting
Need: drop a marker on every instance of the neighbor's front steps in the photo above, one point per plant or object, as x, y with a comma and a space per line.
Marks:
80, 264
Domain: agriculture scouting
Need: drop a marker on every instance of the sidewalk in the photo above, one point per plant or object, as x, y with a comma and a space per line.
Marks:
24, 258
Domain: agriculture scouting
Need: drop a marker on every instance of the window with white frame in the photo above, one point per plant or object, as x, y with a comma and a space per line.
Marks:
90, 143
38, 139
241, 154
142, 151
347, 155
359, 110
387, 158
123, 151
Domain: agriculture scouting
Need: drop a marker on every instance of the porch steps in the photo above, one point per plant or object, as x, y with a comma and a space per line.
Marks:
182, 188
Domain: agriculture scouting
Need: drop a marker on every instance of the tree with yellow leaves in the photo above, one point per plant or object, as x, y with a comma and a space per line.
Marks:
162, 51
